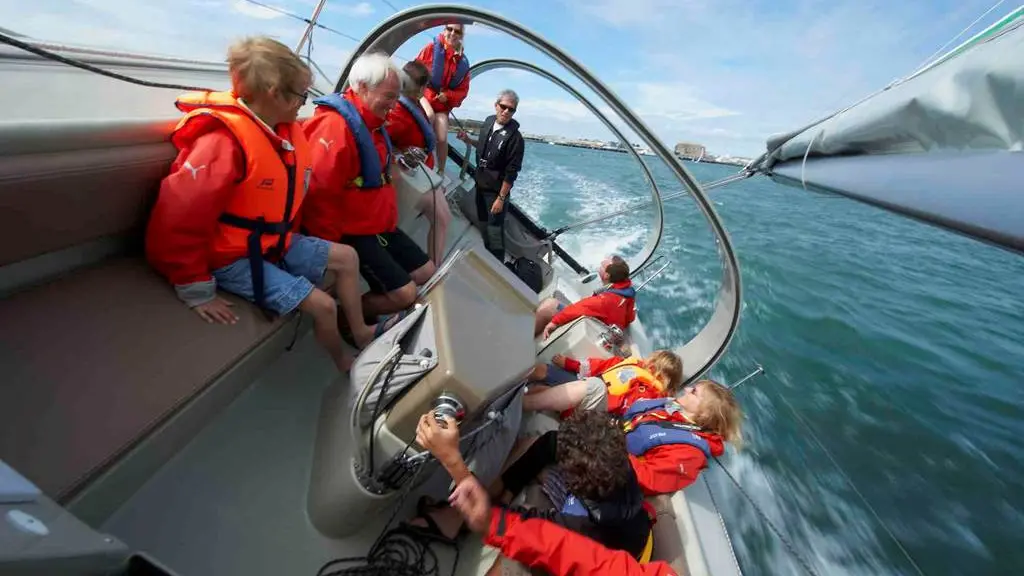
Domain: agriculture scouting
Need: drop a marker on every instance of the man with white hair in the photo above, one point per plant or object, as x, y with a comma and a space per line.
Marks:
499, 157
351, 198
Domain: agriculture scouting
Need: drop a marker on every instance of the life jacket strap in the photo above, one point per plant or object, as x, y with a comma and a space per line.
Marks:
258, 227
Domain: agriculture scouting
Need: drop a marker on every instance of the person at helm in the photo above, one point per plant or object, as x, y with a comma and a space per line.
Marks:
227, 213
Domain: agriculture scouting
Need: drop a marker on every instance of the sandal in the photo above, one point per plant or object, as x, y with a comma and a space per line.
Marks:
424, 506
385, 322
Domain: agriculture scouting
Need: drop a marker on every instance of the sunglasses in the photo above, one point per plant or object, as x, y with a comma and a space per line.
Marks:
303, 96
455, 31
511, 109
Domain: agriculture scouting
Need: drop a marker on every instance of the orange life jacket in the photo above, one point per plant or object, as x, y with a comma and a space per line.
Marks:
258, 220
621, 377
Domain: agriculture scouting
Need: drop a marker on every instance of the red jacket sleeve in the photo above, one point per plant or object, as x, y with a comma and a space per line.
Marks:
191, 199
459, 93
561, 552
330, 140
591, 366
589, 306
426, 55
665, 469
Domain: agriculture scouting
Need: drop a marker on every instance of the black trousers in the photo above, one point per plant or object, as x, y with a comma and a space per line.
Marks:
493, 224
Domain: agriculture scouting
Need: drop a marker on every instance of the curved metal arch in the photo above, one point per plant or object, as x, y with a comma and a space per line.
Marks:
700, 353
654, 238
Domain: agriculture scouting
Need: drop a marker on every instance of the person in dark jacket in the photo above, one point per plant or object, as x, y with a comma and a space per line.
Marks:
499, 157
589, 485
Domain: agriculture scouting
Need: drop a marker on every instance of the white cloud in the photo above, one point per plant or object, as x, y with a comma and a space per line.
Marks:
254, 11
359, 10
676, 102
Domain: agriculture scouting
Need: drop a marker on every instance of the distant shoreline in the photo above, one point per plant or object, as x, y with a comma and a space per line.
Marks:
473, 127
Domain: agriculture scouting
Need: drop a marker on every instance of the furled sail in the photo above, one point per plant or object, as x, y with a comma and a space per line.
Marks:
944, 145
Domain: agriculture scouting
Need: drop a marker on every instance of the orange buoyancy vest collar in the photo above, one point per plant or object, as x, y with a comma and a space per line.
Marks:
259, 217
619, 378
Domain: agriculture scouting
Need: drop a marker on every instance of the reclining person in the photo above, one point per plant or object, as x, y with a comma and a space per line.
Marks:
590, 490
243, 162
607, 384
409, 128
670, 440
614, 305
351, 198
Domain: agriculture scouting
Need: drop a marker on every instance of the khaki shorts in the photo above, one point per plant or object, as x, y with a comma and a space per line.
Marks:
596, 397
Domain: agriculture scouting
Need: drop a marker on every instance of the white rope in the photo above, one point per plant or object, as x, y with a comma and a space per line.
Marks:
957, 37
803, 165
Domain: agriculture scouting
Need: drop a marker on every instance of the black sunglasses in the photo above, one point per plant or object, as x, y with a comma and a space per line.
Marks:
304, 96
511, 109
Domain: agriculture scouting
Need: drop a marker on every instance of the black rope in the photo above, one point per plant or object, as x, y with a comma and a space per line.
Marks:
10, 40
399, 553
789, 545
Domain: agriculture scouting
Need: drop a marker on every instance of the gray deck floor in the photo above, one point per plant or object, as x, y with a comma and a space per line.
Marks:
234, 500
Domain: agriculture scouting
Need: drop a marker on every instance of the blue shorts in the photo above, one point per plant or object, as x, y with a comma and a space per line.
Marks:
285, 284
561, 306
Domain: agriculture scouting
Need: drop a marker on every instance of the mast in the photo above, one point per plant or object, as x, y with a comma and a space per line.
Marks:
310, 24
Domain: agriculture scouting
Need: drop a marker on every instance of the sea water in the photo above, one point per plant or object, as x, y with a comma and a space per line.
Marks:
900, 345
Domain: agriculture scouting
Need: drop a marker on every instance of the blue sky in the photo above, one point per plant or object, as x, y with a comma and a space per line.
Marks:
724, 73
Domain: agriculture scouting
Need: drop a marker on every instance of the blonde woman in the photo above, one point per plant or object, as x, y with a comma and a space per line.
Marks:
226, 214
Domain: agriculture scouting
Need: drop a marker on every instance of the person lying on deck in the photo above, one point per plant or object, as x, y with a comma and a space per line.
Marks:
589, 486
351, 197
670, 440
243, 162
595, 382
614, 305
409, 128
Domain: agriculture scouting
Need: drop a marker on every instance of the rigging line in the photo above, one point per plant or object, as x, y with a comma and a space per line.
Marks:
961, 33
849, 481
302, 19
10, 40
390, 5
789, 545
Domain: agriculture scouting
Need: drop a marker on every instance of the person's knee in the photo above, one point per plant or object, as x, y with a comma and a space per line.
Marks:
319, 305
547, 306
342, 259
442, 135
404, 296
422, 274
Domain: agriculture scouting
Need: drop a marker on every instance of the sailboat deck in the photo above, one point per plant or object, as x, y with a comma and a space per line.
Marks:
234, 500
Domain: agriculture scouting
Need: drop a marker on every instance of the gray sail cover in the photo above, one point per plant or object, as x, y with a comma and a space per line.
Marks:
944, 146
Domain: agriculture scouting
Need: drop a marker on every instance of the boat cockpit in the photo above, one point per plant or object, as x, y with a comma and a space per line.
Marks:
134, 435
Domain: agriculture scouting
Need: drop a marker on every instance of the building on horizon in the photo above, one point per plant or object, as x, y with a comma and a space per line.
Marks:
689, 150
